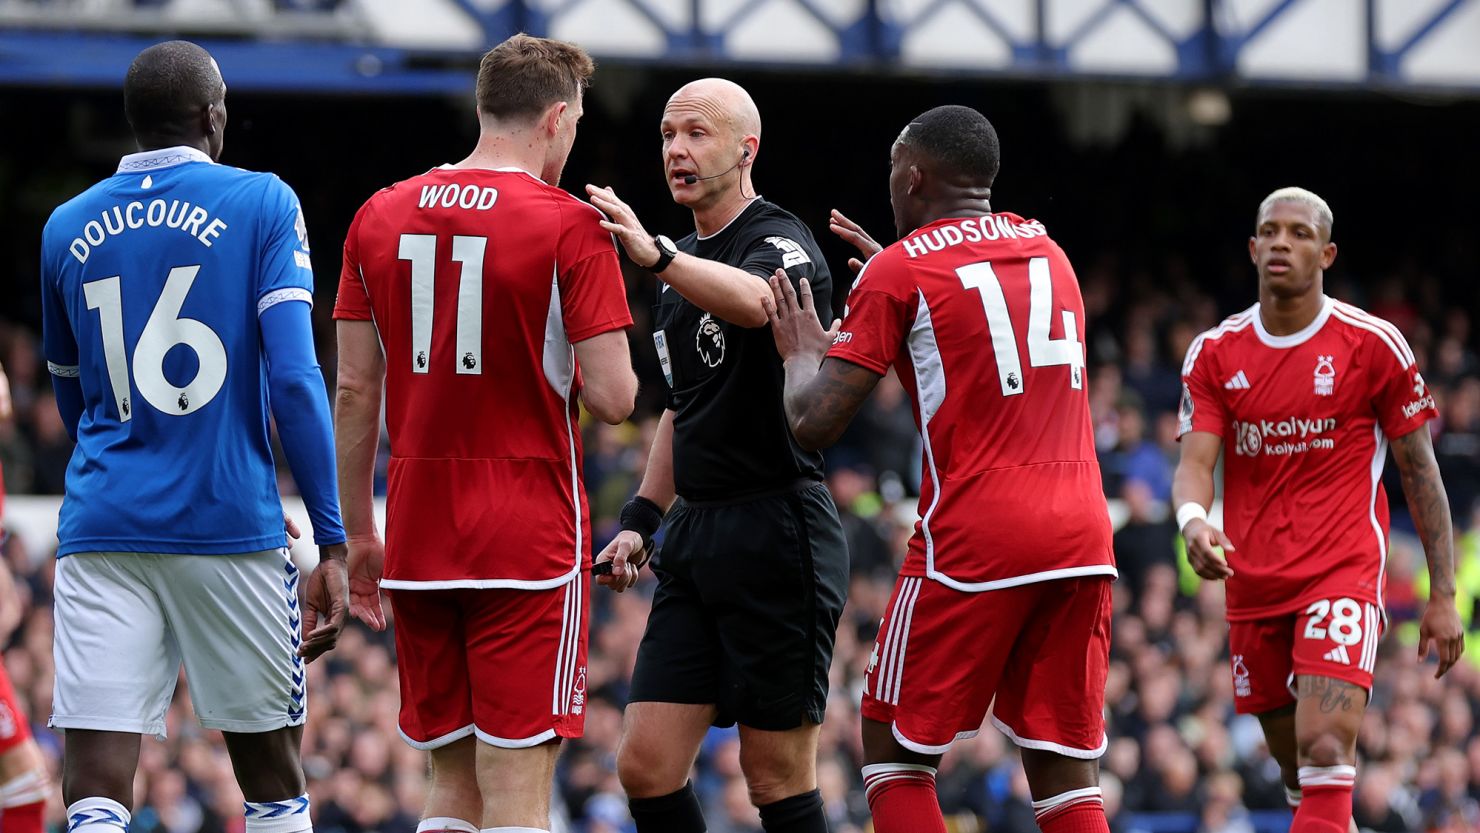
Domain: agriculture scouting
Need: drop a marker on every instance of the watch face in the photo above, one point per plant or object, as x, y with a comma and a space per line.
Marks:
666, 245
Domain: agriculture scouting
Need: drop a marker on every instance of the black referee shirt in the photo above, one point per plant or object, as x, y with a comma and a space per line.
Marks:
730, 437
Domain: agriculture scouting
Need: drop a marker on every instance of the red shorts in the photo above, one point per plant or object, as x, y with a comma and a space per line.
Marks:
14, 730
1334, 637
506, 665
1043, 650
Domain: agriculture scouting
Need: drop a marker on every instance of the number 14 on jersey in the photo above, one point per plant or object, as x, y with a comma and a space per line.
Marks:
1042, 350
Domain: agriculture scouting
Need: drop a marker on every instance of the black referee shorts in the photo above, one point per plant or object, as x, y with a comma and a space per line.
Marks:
748, 601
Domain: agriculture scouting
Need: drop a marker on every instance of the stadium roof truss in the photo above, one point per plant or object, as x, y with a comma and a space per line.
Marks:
416, 46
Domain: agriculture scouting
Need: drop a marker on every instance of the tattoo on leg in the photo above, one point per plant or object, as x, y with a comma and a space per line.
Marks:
1335, 695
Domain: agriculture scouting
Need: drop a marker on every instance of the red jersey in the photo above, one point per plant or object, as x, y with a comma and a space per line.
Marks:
479, 282
1305, 421
982, 319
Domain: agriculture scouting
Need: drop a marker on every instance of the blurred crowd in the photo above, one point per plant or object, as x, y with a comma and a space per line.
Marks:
1178, 760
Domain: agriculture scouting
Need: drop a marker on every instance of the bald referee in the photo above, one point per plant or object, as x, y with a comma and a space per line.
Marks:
754, 569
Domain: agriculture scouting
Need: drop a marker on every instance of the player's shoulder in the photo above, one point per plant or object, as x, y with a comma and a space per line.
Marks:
79, 205
1230, 331
771, 220
1375, 331
266, 181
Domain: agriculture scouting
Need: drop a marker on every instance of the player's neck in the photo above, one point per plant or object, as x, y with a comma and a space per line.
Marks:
711, 219
495, 151
149, 143
1287, 316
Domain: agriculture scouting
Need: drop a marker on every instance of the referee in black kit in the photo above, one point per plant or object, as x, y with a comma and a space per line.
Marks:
754, 569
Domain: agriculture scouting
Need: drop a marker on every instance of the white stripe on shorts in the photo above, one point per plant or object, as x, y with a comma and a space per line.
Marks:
891, 662
1370, 638
570, 648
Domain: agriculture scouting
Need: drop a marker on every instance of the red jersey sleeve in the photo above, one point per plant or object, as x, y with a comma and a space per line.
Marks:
1400, 397
880, 309
1202, 408
353, 302
593, 298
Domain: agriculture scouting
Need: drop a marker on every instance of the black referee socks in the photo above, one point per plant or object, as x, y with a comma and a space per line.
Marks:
676, 812
798, 814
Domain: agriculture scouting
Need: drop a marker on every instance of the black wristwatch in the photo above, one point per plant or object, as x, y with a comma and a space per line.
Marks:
667, 251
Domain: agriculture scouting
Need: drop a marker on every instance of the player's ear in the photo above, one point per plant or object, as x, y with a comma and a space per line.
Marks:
1253, 250
1328, 255
917, 179
554, 115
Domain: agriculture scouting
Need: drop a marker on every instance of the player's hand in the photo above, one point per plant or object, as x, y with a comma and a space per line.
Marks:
640, 247
622, 551
290, 526
366, 565
1203, 542
1442, 629
794, 324
853, 233
327, 604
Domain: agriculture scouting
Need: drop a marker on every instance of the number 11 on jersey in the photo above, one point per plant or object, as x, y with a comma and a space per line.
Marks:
421, 251
1042, 350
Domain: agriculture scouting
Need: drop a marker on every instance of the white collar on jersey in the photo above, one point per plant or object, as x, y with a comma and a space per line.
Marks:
152, 160
1293, 339
508, 169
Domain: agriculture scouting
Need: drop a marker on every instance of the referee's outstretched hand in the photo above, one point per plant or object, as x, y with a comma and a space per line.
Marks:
622, 552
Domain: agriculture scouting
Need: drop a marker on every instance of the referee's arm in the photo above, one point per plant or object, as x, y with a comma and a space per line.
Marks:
657, 480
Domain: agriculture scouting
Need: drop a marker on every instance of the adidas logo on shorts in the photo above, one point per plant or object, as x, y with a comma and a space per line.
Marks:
1338, 654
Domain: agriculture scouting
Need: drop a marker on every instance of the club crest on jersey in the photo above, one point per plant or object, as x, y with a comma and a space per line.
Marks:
578, 695
710, 341
1325, 375
1241, 687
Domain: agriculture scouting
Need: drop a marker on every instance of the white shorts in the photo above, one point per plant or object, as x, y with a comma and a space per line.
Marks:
125, 621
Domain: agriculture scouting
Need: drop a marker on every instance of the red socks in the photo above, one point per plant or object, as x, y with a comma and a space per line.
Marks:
1325, 799
1076, 811
902, 798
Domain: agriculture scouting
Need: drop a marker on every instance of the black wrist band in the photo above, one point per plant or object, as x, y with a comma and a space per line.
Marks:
642, 516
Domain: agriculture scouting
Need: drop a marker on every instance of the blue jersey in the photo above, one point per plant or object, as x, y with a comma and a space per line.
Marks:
153, 281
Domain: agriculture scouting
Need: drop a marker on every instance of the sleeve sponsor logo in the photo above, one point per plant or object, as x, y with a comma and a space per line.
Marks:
842, 338
1418, 406
301, 227
1185, 412
792, 254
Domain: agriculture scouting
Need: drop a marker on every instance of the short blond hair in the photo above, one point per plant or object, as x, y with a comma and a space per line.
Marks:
1324, 217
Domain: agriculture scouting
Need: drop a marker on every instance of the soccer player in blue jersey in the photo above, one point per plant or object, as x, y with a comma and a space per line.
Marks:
176, 297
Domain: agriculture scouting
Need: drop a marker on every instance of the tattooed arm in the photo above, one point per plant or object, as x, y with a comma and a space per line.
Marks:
821, 401
822, 395
1429, 505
